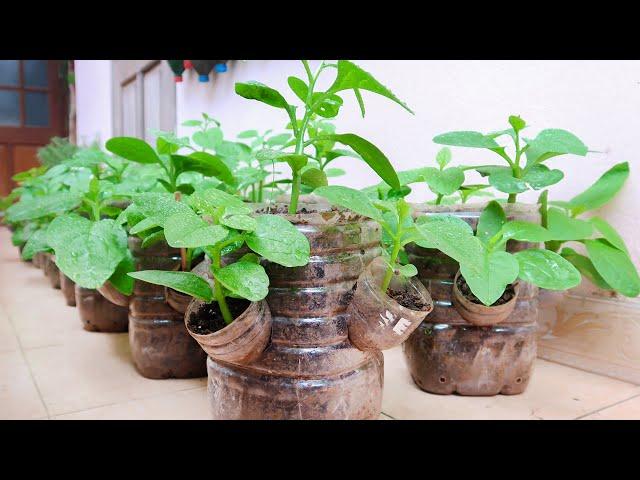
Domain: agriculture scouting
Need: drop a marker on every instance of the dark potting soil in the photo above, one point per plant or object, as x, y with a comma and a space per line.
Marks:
410, 300
468, 294
208, 318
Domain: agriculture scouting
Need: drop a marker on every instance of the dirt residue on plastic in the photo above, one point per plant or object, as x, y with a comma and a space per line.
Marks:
208, 319
409, 299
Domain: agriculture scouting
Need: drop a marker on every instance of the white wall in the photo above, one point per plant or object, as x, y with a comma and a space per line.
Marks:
93, 101
597, 100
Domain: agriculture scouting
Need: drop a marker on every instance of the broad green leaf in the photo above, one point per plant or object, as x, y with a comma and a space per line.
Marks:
38, 207
609, 233
351, 199
295, 161
248, 134
585, 267
185, 282
352, 77
262, 93
132, 149
278, 140
245, 279
614, 266
370, 154
334, 172
408, 270
151, 238
37, 243
490, 222
209, 165
314, 178
299, 87
145, 224
562, 227
524, 232
240, 222
497, 270
444, 182
212, 198
547, 269
329, 105
452, 236
602, 191
504, 181
190, 231
120, 278
540, 176
192, 123
443, 157
158, 207
557, 141
90, 259
279, 241
209, 139
466, 139
62, 230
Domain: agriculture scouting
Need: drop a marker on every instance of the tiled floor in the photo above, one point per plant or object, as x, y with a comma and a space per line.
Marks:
51, 368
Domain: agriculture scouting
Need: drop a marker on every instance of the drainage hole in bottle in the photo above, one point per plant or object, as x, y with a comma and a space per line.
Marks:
519, 380
443, 380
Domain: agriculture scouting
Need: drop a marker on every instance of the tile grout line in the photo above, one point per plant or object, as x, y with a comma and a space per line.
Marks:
26, 361
127, 401
607, 406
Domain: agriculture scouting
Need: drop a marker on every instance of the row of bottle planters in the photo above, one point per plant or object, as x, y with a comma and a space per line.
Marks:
312, 350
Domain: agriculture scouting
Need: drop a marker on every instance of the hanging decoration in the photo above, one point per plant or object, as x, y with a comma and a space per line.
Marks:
203, 67
177, 67
221, 66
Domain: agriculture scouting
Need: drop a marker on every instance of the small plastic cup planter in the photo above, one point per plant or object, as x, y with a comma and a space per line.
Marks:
68, 288
51, 271
241, 341
479, 314
378, 321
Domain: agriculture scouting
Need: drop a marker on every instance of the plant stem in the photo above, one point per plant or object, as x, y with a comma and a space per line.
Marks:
295, 193
392, 261
517, 173
217, 289
439, 199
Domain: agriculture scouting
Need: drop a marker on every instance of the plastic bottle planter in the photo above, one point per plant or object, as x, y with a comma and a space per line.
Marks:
377, 321
479, 314
98, 314
446, 353
242, 341
203, 67
38, 259
68, 288
177, 67
51, 271
310, 369
160, 344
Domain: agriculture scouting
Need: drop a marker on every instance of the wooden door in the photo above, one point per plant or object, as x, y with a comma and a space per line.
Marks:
33, 108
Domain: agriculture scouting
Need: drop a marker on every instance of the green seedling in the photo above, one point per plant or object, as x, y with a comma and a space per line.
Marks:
325, 104
607, 263
484, 264
219, 224
395, 218
520, 175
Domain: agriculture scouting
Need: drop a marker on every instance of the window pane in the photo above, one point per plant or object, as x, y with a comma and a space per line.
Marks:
9, 108
36, 106
35, 73
9, 72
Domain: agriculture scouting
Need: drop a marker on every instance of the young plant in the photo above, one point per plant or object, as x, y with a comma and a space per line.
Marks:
174, 165
395, 218
485, 264
607, 263
519, 175
325, 104
219, 224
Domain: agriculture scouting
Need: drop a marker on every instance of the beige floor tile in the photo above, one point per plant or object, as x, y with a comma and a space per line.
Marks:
555, 392
8, 339
184, 405
91, 370
19, 398
627, 410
